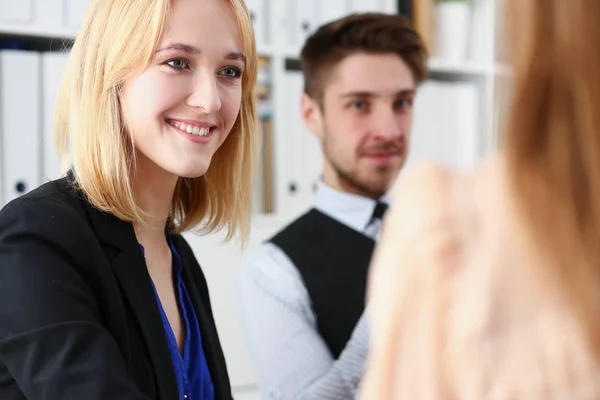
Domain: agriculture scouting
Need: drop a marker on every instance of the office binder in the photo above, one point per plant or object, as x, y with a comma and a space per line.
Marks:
19, 122
304, 20
468, 133
423, 21
303, 151
259, 12
405, 7
18, 11
331, 10
481, 37
365, 5
75, 12
53, 65
49, 13
445, 126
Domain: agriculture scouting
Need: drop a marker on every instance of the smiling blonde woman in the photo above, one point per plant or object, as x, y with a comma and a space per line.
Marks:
102, 298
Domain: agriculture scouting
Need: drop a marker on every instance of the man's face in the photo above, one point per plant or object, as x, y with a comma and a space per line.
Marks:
364, 122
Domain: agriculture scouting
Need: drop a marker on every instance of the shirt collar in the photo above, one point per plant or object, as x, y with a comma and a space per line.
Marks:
350, 209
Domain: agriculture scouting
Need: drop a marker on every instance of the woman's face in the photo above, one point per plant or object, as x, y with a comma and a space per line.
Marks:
182, 107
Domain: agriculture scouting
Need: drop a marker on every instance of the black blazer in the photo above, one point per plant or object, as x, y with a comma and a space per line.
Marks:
78, 314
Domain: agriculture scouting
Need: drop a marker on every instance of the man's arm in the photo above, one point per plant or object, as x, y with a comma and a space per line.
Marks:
291, 359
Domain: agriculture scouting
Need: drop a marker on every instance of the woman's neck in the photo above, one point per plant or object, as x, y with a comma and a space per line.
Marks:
153, 190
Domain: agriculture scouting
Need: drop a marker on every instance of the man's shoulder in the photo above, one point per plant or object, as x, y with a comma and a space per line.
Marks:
304, 226
269, 271
268, 256
271, 259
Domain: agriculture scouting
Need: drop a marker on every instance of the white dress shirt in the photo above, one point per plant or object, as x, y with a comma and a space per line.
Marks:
291, 359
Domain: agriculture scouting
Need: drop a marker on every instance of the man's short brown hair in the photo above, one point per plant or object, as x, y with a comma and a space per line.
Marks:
373, 33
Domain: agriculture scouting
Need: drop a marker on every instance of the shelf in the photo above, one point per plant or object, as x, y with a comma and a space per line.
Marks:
49, 33
437, 65
291, 54
265, 50
37, 31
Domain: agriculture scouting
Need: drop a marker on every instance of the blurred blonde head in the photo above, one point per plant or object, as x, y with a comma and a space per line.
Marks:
552, 144
116, 41
461, 306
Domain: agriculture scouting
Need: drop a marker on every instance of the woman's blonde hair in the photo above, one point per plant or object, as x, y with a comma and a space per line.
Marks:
116, 40
552, 144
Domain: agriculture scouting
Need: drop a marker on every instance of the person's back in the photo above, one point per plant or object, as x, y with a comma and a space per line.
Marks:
485, 285
472, 318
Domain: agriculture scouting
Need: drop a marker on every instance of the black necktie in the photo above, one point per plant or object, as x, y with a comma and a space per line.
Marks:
379, 211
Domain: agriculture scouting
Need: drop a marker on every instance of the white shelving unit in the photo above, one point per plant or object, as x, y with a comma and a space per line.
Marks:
26, 30
281, 26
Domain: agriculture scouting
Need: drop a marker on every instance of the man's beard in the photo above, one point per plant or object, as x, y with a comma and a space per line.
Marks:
353, 181
351, 177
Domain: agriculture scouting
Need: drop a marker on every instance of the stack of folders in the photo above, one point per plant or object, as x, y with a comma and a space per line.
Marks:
28, 87
445, 127
422, 13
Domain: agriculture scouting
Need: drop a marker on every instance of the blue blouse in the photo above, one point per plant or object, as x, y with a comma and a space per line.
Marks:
191, 370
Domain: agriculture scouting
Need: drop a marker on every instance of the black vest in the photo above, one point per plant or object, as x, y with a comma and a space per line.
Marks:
333, 260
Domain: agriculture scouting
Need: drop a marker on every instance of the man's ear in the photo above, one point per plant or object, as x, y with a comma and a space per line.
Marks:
311, 114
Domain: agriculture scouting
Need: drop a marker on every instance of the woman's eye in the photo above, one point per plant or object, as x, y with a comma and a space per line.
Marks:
178, 64
231, 72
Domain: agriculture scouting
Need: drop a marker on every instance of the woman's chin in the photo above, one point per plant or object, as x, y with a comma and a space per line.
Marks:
195, 171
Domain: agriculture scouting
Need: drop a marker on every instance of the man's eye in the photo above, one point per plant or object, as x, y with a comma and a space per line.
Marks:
404, 103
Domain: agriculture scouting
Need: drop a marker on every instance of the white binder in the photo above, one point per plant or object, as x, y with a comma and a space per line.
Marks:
445, 125
18, 11
303, 21
259, 12
303, 159
470, 135
366, 5
19, 122
331, 10
49, 13
53, 65
482, 37
75, 12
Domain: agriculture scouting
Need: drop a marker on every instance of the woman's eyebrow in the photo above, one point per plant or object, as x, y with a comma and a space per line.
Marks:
180, 46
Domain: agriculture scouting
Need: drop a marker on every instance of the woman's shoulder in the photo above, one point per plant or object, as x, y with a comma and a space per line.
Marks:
450, 259
49, 210
430, 190
441, 220
433, 179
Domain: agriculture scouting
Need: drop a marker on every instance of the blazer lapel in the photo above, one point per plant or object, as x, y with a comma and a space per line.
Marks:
129, 267
210, 340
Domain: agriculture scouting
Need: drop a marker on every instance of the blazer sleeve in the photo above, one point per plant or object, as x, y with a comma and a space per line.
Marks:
52, 343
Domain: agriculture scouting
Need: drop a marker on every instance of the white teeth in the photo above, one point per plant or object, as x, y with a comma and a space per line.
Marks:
191, 129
